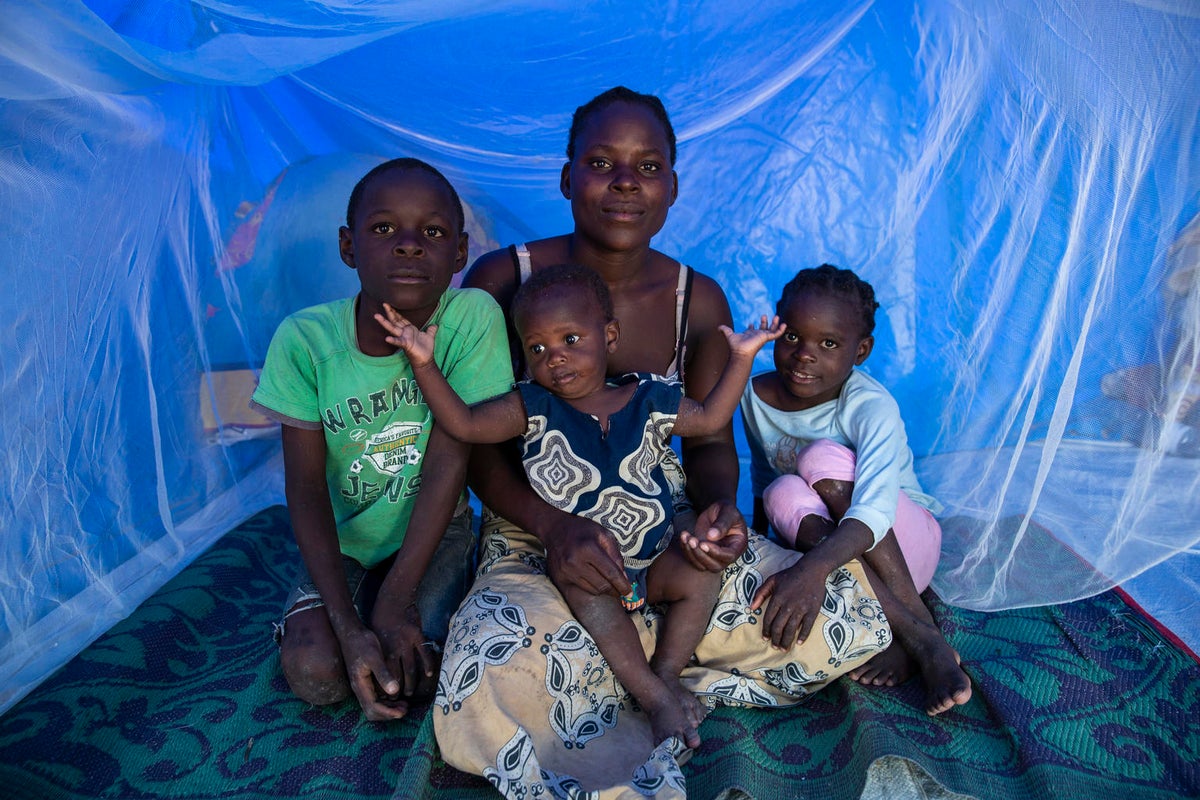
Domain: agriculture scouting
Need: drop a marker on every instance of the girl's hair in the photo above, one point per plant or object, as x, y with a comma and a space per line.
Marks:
569, 276
620, 94
830, 280
402, 164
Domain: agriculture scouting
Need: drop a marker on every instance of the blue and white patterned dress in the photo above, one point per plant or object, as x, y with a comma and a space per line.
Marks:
615, 478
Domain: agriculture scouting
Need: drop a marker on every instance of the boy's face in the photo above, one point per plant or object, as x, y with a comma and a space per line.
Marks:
567, 341
821, 345
406, 244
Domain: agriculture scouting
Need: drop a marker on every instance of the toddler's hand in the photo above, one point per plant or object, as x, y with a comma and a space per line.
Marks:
417, 344
751, 340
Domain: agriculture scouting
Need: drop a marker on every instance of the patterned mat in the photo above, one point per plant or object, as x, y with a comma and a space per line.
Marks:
185, 700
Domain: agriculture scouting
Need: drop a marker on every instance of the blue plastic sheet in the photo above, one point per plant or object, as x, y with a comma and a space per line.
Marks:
1021, 184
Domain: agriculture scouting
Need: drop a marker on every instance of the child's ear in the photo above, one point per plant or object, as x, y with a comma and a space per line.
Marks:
564, 181
460, 260
864, 350
346, 246
612, 335
674, 187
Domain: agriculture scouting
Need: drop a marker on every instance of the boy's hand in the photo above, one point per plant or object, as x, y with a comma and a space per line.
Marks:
377, 691
417, 344
717, 538
796, 596
750, 341
406, 650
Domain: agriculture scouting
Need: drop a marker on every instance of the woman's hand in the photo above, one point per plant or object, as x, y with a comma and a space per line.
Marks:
796, 595
582, 553
717, 538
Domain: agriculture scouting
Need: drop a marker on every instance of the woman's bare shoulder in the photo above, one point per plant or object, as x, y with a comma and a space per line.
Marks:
709, 306
493, 272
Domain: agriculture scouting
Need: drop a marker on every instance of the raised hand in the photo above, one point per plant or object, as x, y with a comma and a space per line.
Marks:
417, 344
751, 340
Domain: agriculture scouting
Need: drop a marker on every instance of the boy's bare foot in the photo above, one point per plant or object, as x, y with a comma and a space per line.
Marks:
892, 667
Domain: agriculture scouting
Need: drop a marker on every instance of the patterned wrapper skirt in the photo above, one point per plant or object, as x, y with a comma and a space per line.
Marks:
526, 700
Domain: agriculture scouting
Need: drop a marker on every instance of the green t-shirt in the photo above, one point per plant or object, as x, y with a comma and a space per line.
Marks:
375, 419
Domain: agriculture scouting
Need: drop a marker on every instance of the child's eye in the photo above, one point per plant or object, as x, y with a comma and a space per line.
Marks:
571, 338
790, 337
382, 228
651, 167
434, 232
537, 349
829, 344
598, 163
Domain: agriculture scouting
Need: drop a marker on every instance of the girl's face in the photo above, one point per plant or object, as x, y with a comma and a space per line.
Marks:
821, 345
567, 340
620, 183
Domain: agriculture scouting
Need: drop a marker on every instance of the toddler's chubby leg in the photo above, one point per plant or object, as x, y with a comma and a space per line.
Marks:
691, 594
610, 626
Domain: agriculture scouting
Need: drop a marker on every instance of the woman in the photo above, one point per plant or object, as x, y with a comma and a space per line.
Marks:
525, 698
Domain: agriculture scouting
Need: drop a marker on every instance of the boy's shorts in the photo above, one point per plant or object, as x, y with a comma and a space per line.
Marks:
442, 589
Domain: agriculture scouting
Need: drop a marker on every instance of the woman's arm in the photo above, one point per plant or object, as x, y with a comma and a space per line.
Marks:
711, 461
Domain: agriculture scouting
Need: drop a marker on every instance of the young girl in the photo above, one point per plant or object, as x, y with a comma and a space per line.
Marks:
598, 448
833, 474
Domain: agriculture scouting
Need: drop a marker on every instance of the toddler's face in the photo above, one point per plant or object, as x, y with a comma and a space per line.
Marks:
566, 342
820, 347
406, 243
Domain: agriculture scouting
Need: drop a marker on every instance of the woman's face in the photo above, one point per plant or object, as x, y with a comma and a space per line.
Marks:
620, 183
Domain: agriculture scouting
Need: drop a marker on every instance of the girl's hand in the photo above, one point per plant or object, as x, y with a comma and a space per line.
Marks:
796, 595
750, 341
417, 344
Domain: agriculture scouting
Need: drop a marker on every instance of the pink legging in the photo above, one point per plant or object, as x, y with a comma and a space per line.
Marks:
790, 498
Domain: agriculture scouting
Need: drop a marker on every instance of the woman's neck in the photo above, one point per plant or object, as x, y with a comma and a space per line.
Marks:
618, 268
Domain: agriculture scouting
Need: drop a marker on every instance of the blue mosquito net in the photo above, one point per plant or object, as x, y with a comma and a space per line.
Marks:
1019, 181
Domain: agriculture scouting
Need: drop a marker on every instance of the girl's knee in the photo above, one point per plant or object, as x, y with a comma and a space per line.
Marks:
825, 459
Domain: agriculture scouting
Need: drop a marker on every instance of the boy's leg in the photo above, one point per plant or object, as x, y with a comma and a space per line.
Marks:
309, 652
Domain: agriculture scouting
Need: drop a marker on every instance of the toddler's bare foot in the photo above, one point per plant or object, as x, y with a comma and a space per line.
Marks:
671, 717
892, 667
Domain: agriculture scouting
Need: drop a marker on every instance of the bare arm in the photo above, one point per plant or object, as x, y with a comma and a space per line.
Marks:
700, 419
316, 535
495, 420
395, 618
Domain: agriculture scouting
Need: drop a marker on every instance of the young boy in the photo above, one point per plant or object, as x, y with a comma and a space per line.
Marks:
369, 615
600, 448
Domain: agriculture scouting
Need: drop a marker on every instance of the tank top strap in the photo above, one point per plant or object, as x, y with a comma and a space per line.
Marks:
522, 262
683, 297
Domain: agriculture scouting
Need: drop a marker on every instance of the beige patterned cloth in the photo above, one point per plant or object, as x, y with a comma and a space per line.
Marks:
526, 700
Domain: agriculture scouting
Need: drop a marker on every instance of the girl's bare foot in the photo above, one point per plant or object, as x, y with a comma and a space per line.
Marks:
946, 685
892, 667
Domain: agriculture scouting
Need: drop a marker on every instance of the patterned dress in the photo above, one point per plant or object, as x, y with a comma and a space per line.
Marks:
524, 697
